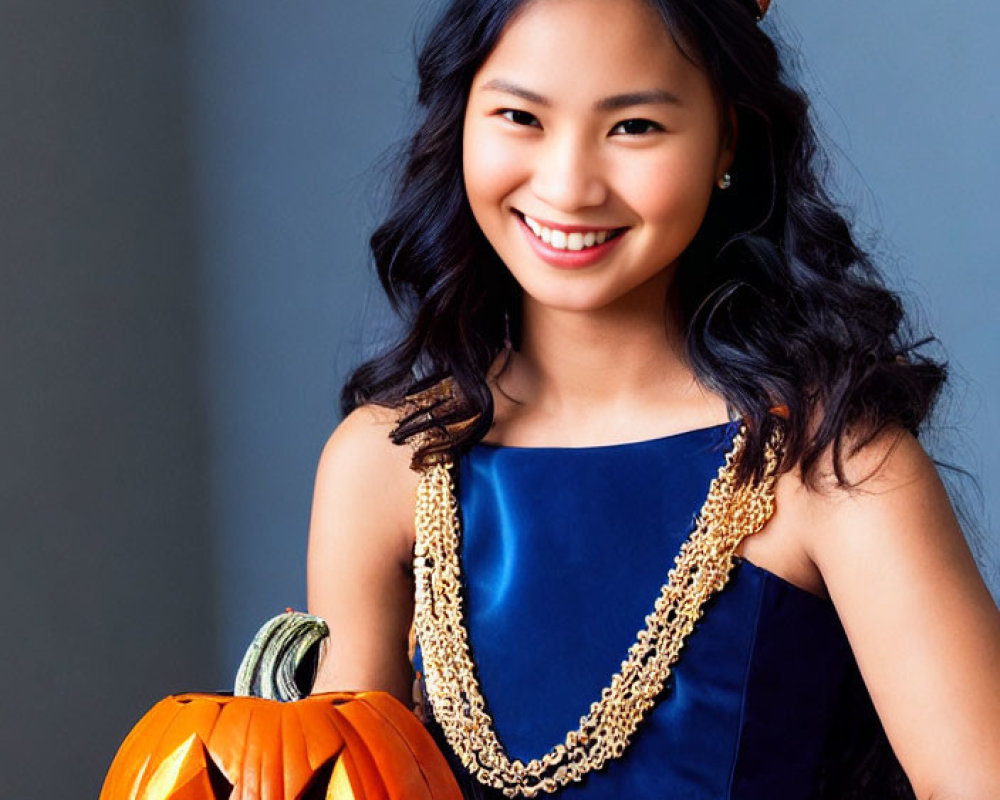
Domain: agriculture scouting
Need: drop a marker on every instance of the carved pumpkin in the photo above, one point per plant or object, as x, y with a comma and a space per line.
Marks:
334, 746
325, 747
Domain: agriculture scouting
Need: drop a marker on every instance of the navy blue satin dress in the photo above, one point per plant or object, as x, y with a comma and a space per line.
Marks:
564, 551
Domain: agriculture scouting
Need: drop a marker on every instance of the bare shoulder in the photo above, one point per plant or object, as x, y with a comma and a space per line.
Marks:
361, 467
894, 498
813, 519
360, 542
921, 622
892, 525
365, 434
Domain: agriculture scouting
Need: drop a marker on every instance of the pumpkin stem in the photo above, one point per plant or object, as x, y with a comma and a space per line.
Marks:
280, 663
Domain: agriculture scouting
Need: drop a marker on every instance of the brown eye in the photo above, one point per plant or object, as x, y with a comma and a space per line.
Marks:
519, 117
636, 127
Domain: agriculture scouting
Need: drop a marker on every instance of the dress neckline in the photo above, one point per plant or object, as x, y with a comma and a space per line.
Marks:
496, 447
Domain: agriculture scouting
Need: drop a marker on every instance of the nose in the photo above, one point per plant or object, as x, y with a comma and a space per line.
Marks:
567, 175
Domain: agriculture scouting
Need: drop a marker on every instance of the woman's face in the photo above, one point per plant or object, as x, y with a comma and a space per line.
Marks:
591, 149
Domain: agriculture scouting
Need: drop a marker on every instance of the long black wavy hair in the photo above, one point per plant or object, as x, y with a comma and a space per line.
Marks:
781, 306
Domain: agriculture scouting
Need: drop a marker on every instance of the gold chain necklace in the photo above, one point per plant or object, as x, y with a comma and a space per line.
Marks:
731, 512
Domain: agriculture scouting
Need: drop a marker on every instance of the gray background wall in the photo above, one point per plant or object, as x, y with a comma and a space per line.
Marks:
186, 192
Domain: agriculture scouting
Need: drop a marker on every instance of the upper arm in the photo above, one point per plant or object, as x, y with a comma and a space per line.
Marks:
921, 622
360, 541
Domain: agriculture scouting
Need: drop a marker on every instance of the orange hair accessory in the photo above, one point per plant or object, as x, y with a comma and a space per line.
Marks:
759, 8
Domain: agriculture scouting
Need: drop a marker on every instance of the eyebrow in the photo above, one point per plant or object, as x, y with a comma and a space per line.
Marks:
613, 103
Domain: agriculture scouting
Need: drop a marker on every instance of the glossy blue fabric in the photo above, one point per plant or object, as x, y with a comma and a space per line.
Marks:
564, 551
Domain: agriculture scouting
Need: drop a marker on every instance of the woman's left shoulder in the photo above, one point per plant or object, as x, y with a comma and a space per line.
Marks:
921, 622
891, 476
888, 530
875, 470
891, 497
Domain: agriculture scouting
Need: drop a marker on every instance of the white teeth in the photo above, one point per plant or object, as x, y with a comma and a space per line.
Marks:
561, 240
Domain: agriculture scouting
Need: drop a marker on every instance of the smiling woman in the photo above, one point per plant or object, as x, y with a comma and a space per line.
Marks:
648, 382
608, 130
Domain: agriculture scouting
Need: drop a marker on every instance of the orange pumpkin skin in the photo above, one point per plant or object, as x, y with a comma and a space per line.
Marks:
333, 746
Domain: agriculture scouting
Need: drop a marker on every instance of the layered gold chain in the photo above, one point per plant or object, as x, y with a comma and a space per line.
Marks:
731, 512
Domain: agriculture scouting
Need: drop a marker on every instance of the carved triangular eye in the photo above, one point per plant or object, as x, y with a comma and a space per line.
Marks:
222, 789
188, 771
316, 789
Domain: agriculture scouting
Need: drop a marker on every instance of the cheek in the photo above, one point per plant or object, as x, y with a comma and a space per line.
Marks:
671, 191
491, 169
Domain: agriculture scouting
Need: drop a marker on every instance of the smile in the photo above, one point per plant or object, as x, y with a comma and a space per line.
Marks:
573, 238
569, 246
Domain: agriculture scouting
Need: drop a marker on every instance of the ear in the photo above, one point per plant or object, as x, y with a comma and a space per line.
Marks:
727, 141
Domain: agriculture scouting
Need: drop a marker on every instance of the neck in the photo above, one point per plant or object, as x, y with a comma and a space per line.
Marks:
623, 367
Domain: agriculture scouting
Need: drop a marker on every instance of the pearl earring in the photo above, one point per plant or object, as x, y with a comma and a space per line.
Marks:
725, 181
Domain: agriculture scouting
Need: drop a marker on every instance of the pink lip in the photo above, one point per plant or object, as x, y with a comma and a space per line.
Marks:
568, 259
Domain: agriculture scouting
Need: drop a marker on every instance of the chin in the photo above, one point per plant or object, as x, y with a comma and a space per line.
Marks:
578, 302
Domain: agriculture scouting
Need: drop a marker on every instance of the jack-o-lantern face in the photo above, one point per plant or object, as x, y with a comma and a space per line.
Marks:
335, 746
